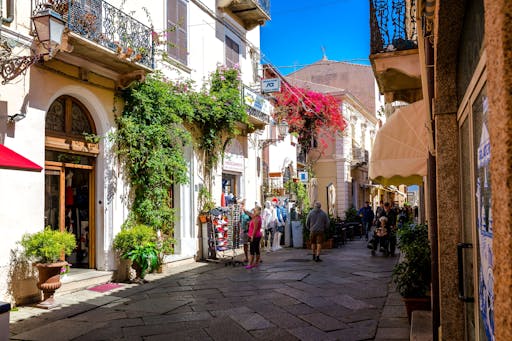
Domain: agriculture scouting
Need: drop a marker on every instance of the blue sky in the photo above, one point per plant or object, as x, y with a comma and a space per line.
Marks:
300, 28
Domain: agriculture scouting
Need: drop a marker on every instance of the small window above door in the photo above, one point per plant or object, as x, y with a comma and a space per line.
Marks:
67, 116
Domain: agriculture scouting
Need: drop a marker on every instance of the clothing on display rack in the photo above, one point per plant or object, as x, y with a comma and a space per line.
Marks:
224, 233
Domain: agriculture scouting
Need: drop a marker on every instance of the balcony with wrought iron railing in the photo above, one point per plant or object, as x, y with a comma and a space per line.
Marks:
99, 23
393, 25
250, 13
359, 157
394, 49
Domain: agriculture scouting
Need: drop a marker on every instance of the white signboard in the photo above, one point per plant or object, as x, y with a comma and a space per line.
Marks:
256, 101
303, 176
270, 85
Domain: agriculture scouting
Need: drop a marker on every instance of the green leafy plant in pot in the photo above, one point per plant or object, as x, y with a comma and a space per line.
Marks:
138, 244
412, 275
45, 248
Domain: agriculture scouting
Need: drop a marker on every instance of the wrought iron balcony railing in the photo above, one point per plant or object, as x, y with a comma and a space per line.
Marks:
359, 156
106, 25
265, 5
393, 25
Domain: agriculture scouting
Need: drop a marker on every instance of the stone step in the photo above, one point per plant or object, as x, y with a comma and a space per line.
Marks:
79, 279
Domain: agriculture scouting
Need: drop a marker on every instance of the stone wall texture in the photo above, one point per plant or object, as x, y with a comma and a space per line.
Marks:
498, 40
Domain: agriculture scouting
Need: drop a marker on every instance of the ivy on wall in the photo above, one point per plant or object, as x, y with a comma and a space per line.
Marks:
160, 118
218, 110
150, 142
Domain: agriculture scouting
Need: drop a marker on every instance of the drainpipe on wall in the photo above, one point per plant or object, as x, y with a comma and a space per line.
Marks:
432, 195
10, 12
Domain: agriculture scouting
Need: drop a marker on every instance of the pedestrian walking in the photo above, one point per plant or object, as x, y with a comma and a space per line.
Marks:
367, 216
282, 216
391, 227
380, 237
245, 217
254, 238
269, 223
317, 222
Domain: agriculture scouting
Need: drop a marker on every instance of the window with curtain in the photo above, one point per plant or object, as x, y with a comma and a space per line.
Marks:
177, 29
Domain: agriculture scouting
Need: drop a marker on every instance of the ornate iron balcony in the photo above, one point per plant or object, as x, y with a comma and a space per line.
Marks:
265, 5
393, 25
106, 25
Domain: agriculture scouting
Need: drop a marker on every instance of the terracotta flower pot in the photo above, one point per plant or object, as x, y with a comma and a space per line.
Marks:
49, 281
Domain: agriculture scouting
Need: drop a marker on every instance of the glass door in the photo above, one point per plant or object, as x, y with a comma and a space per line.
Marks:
475, 254
69, 190
53, 199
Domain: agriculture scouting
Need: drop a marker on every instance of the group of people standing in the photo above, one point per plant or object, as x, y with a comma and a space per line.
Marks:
386, 221
262, 229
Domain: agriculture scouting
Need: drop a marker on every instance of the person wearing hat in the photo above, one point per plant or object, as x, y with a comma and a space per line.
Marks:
367, 216
317, 222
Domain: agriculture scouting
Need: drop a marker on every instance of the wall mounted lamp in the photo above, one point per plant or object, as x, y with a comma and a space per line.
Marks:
49, 27
282, 130
16, 117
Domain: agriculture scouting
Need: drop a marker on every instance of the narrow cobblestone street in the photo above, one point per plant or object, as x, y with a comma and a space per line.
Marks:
348, 296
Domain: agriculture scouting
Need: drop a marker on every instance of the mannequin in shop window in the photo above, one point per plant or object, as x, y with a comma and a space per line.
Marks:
69, 201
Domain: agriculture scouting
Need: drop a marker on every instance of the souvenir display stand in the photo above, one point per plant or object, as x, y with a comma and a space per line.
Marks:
223, 231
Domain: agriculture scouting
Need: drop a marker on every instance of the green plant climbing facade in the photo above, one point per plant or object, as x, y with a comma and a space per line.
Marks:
160, 119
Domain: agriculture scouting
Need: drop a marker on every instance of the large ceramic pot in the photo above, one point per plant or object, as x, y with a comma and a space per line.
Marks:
49, 281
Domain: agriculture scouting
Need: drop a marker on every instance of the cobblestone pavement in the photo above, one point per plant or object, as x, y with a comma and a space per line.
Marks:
348, 296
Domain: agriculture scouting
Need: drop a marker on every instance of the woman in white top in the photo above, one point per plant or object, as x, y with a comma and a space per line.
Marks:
269, 218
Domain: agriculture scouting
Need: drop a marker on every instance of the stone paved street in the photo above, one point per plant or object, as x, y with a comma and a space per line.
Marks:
348, 296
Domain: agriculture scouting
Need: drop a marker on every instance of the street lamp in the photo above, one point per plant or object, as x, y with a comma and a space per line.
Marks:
49, 28
282, 131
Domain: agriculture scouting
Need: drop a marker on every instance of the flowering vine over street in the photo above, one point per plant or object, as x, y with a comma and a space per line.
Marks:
311, 115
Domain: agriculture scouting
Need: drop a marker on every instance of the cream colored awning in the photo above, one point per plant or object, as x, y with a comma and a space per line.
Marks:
400, 150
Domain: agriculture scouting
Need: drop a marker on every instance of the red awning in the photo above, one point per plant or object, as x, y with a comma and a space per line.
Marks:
11, 160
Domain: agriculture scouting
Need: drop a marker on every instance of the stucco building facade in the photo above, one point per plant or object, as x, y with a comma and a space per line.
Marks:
343, 165
462, 72
76, 91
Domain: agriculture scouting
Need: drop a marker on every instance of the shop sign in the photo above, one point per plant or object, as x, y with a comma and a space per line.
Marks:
233, 162
270, 85
233, 157
257, 102
303, 176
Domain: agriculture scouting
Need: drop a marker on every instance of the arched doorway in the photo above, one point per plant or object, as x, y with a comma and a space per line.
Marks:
71, 148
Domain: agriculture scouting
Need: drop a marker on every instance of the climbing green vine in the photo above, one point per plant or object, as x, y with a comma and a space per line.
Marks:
160, 118
150, 142
218, 109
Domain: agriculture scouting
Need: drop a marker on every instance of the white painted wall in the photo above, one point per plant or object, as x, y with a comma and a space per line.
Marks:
22, 193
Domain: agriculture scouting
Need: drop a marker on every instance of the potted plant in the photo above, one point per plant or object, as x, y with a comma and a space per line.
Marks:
165, 246
412, 275
138, 244
46, 249
206, 203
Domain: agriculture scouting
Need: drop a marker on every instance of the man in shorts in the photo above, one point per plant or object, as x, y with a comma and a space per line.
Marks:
317, 222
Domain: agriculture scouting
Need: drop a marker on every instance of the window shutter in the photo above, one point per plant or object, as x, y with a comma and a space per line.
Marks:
232, 52
177, 29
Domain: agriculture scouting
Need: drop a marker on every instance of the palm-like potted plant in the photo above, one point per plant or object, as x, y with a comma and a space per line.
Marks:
412, 275
138, 244
46, 249
206, 203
